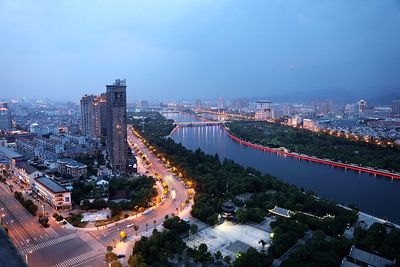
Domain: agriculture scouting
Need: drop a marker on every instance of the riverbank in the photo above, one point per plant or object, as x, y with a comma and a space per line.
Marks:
345, 166
284, 152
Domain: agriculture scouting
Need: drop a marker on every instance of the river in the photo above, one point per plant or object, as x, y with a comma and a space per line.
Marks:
375, 195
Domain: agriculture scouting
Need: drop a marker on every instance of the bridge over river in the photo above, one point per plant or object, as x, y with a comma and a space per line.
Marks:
198, 123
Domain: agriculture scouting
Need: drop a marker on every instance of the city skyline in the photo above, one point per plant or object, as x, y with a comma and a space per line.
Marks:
185, 49
199, 133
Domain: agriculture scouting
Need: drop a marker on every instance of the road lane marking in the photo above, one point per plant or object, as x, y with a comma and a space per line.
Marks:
81, 258
48, 243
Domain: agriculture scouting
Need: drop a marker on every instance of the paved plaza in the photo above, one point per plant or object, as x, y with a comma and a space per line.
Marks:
229, 238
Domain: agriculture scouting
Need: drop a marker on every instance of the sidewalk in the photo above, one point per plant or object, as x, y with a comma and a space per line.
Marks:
126, 247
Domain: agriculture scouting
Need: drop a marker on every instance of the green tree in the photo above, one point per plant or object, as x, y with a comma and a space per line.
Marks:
136, 260
194, 228
241, 215
136, 228
110, 257
263, 243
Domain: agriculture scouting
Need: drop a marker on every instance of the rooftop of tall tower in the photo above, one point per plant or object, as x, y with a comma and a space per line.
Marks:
120, 82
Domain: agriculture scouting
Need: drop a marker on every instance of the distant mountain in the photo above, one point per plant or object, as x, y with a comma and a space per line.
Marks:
384, 99
337, 95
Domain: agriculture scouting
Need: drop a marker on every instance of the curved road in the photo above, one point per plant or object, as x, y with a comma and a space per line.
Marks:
167, 207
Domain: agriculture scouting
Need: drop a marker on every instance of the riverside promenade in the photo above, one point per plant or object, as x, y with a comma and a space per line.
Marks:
379, 172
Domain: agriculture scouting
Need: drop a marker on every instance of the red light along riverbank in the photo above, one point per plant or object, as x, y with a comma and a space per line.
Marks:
383, 173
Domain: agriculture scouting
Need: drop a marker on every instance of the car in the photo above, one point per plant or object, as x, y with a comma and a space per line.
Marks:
148, 211
186, 219
129, 225
121, 256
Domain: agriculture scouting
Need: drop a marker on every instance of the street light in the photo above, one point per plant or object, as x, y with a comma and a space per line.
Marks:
1, 219
26, 257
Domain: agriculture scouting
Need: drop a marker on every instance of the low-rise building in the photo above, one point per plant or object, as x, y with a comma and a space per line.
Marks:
56, 195
228, 209
309, 124
72, 168
358, 257
280, 212
27, 147
26, 172
9, 157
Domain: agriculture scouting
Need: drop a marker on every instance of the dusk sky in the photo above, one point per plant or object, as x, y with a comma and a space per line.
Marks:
174, 50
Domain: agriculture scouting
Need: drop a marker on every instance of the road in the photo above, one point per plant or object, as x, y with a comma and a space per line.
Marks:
23, 228
59, 247
53, 246
167, 207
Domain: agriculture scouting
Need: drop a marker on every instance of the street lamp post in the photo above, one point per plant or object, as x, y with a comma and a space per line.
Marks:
1, 218
26, 257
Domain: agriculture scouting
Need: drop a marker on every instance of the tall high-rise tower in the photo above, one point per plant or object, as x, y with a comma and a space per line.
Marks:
117, 148
396, 107
90, 116
103, 114
5, 117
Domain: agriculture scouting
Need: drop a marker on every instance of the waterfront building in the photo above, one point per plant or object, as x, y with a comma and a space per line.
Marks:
264, 110
294, 121
117, 148
72, 168
53, 193
396, 107
5, 117
309, 124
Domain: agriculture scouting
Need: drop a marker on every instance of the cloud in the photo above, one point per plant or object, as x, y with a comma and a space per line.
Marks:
181, 49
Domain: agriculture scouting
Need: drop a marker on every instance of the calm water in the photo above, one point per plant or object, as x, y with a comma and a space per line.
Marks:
378, 196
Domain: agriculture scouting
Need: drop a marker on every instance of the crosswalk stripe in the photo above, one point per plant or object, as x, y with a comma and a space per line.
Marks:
49, 243
83, 257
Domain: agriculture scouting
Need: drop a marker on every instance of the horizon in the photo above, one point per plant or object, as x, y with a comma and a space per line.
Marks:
186, 50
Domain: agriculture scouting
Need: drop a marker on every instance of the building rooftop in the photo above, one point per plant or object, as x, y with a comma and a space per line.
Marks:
369, 258
72, 163
51, 185
9, 153
346, 263
29, 169
281, 212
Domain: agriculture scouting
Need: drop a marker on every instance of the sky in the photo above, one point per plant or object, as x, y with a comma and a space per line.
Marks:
175, 50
